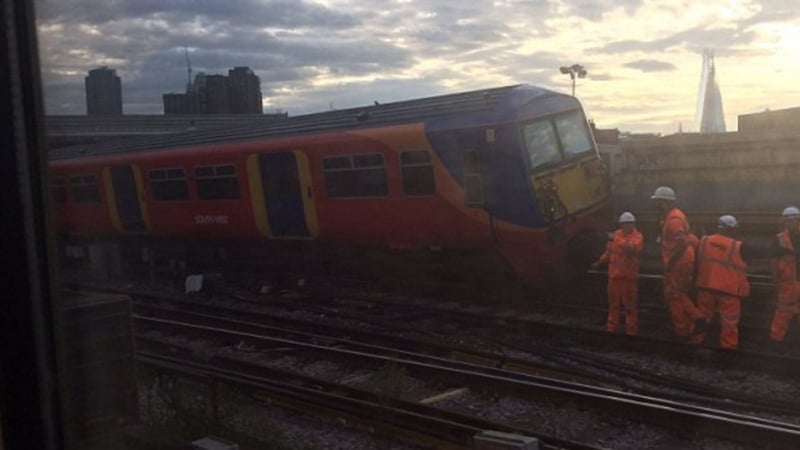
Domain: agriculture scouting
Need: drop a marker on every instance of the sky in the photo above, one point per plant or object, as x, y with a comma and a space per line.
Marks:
643, 57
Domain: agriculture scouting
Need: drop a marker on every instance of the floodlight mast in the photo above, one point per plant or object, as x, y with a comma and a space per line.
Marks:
574, 71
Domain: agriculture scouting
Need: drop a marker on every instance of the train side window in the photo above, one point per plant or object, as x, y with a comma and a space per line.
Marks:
417, 173
473, 184
84, 189
58, 190
216, 182
573, 133
355, 176
542, 143
169, 184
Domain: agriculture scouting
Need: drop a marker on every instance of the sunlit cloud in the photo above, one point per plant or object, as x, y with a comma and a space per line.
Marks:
642, 56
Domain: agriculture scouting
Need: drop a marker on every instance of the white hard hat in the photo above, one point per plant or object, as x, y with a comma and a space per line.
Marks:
663, 193
627, 217
727, 221
791, 212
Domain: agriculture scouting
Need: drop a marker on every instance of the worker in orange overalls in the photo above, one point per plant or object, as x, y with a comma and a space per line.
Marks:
721, 281
784, 273
677, 255
622, 256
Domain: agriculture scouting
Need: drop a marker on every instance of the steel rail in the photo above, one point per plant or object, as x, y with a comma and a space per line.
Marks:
427, 424
704, 394
658, 411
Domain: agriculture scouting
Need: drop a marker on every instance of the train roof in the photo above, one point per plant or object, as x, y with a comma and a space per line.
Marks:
395, 113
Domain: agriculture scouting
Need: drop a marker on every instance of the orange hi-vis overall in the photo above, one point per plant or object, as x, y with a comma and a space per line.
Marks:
785, 273
722, 283
677, 254
622, 256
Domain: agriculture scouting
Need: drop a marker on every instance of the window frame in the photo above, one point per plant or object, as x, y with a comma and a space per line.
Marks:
83, 183
353, 168
167, 178
475, 173
403, 166
563, 156
235, 176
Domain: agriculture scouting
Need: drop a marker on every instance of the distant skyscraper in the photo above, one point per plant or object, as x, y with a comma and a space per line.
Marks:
244, 91
237, 93
103, 92
216, 95
710, 117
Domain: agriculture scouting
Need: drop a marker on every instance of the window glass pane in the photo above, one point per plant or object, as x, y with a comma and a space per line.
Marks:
204, 171
540, 139
356, 183
372, 182
472, 190
84, 189
218, 188
375, 160
417, 173
415, 157
418, 180
343, 179
170, 190
157, 174
574, 133
175, 173
225, 170
85, 193
342, 162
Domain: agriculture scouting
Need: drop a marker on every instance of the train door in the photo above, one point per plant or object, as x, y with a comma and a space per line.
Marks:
126, 198
475, 189
286, 208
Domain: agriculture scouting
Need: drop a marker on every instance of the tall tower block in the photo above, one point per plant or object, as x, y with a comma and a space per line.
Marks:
710, 116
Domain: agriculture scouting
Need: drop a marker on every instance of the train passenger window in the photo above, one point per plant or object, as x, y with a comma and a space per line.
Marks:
84, 189
573, 133
355, 176
169, 184
542, 143
417, 172
58, 190
216, 182
473, 184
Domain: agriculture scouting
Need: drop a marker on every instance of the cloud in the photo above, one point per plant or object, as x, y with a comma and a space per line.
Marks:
696, 39
311, 53
651, 65
595, 9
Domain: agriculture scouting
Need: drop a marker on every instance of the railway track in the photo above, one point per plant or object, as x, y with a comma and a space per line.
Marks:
678, 415
557, 358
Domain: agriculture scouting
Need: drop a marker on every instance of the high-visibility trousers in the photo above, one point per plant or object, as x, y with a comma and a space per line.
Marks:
729, 308
623, 295
786, 308
682, 310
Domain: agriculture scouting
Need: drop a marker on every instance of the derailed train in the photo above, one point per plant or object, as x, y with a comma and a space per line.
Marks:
512, 172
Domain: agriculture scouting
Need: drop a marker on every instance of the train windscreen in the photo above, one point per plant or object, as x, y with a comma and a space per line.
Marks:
555, 139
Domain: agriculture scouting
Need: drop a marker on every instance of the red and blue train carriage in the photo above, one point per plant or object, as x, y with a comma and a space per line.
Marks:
510, 171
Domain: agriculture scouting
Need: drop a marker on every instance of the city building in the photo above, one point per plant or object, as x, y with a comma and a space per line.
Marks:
103, 92
237, 93
785, 120
245, 91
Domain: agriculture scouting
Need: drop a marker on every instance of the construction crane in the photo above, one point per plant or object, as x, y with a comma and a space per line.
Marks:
188, 69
